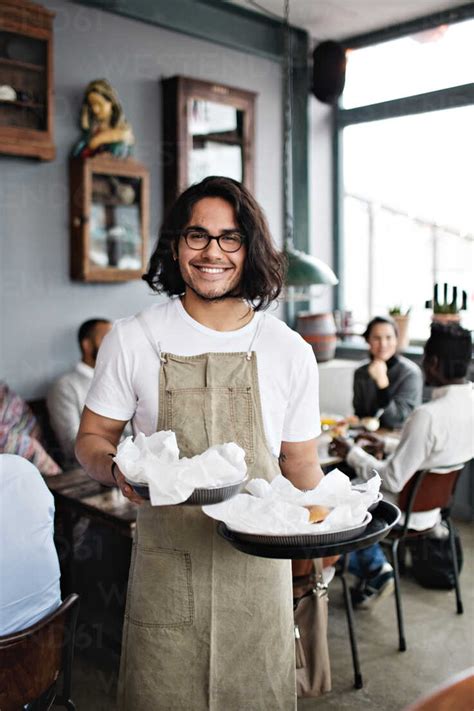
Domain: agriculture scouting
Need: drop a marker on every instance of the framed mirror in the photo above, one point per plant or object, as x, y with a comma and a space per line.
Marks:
109, 219
208, 129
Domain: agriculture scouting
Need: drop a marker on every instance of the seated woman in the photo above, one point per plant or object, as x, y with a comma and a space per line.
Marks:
388, 382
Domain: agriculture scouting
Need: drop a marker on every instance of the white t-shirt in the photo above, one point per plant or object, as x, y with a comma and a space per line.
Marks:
126, 376
29, 566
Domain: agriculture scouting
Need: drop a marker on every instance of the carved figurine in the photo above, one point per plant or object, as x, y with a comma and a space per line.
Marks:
104, 128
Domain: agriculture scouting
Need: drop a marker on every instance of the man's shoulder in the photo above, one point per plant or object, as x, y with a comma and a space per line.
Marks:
282, 336
125, 330
66, 380
408, 365
153, 315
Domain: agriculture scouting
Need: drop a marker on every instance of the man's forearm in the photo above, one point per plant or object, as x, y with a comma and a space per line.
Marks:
93, 453
303, 475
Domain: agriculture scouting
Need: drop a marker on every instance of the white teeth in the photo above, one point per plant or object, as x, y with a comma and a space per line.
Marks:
210, 270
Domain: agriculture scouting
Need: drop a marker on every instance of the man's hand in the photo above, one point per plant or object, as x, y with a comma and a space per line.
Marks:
371, 444
378, 372
126, 489
339, 447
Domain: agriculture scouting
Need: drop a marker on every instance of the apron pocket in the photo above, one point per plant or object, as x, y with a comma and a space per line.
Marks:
161, 594
203, 417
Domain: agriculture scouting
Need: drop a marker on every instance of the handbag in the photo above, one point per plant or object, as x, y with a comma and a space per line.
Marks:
310, 598
432, 560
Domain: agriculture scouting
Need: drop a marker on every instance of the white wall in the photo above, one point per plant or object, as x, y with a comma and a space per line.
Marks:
40, 308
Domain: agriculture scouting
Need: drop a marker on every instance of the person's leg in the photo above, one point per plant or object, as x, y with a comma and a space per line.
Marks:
366, 562
375, 576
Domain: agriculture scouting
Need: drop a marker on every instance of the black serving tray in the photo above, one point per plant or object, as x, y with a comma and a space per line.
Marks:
384, 518
199, 497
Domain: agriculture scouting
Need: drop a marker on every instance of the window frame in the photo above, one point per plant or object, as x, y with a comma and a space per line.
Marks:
448, 98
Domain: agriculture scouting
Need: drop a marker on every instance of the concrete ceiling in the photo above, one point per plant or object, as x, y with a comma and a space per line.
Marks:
337, 19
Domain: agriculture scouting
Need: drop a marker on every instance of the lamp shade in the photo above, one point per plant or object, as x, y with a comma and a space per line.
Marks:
305, 270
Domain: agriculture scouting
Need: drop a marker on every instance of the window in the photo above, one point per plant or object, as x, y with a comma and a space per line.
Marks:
407, 218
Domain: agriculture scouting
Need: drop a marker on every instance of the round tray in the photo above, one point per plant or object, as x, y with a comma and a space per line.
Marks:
384, 517
199, 497
306, 539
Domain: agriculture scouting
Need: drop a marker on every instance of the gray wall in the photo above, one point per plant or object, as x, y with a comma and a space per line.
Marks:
40, 307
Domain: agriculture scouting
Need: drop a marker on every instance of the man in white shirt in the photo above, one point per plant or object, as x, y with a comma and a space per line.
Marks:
68, 394
29, 566
437, 436
210, 365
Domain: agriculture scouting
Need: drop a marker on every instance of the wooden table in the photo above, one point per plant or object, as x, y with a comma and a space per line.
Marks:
77, 496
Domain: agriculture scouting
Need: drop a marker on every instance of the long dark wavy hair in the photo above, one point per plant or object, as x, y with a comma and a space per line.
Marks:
264, 267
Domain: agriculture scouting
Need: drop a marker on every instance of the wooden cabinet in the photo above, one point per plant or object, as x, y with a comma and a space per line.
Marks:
208, 129
26, 80
109, 218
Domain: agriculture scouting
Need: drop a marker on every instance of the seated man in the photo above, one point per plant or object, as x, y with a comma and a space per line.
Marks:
67, 395
29, 566
437, 436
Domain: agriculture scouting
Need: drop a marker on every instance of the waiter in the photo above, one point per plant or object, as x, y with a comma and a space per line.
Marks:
207, 627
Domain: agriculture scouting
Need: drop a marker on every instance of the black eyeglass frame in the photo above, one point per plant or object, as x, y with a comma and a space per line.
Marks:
209, 237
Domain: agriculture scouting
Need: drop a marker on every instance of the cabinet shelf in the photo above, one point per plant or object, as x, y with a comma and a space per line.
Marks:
17, 64
26, 64
22, 104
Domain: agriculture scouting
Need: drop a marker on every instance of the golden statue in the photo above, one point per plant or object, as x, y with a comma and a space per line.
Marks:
104, 128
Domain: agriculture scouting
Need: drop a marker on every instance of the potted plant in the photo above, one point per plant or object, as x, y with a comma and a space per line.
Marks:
447, 310
402, 319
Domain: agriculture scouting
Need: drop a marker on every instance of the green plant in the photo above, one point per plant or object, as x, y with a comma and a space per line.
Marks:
446, 306
398, 310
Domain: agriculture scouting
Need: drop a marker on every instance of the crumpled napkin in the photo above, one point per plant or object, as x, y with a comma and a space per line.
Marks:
277, 508
155, 461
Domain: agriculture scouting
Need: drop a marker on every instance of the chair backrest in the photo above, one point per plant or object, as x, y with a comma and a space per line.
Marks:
31, 660
429, 490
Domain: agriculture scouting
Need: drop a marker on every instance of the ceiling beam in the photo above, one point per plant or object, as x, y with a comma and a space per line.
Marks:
401, 29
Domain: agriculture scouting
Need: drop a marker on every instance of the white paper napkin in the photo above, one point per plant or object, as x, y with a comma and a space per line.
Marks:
155, 461
277, 508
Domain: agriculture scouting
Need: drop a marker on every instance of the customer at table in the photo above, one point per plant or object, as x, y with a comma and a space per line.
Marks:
388, 382
437, 436
29, 566
67, 395
207, 626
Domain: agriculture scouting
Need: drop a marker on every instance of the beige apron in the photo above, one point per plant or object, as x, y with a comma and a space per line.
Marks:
207, 627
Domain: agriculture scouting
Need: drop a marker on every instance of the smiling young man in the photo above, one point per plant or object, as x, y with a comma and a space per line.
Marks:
207, 627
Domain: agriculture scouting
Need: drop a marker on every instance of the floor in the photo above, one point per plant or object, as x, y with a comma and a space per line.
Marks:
440, 643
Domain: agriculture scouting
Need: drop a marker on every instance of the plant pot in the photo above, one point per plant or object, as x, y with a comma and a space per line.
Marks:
320, 331
403, 323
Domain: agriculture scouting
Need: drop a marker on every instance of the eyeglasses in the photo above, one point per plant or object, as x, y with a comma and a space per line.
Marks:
200, 239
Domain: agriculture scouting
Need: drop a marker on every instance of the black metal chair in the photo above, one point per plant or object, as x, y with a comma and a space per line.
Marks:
32, 659
423, 492
426, 490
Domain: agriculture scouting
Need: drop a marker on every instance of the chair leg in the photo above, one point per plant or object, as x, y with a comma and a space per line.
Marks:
358, 683
459, 605
402, 645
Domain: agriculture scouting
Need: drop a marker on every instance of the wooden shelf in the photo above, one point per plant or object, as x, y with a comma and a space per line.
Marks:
16, 64
26, 128
22, 104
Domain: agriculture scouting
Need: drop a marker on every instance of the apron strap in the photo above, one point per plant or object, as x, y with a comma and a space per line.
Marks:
149, 336
255, 336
